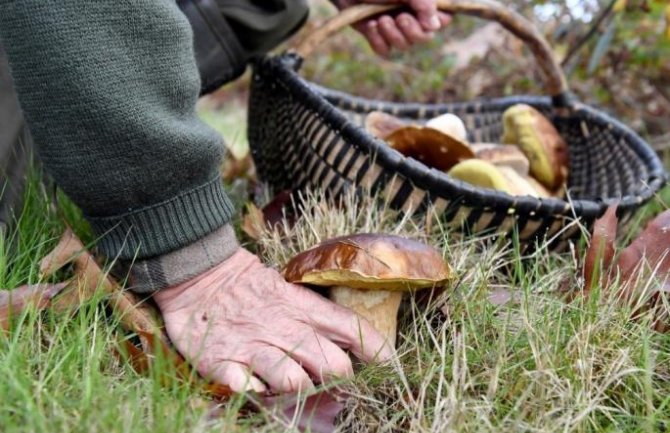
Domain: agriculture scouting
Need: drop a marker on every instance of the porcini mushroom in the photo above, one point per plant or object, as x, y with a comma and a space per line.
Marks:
502, 155
430, 146
484, 174
449, 124
537, 137
381, 124
368, 273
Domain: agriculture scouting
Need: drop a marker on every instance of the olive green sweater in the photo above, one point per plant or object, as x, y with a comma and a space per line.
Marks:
109, 91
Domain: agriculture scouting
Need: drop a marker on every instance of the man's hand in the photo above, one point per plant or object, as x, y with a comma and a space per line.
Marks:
400, 31
242, 319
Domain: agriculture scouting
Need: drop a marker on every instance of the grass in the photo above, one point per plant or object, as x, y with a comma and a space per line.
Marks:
465, 364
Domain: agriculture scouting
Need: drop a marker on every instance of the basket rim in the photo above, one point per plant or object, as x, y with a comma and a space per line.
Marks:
285, 69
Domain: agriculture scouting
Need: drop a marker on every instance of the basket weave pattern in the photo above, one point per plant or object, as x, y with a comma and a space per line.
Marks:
306, 136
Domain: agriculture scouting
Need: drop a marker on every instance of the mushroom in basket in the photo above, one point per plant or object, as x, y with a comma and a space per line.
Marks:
537, 137
369, 273
434, 147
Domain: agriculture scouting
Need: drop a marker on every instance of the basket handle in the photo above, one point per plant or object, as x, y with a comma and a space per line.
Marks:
555, 83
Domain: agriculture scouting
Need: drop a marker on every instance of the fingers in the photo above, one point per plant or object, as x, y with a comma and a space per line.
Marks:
370, 29
392, 34
411, 29
322, 358
237, 376
426, 14
280, 371
346, 329
400, 32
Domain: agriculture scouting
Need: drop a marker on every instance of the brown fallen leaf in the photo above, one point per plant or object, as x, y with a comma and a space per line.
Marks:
14, 301
651, 248
317, 413
600, 253
276, 211
647, 256
234, 168
253, 222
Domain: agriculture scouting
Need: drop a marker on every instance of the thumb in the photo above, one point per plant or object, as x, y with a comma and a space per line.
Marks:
426, 14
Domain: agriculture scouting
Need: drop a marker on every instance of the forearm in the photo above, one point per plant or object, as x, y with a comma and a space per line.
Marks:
109, 90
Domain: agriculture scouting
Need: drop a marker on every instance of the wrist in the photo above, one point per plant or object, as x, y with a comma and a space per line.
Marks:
171, 269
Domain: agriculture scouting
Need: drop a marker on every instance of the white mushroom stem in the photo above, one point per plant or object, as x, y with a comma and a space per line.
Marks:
379, 307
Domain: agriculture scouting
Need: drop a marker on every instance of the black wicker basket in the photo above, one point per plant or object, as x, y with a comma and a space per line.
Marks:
303, 135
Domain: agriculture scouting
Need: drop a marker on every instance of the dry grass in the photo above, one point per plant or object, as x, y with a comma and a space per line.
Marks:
536, 363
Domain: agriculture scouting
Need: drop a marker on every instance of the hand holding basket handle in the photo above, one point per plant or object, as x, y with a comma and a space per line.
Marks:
555, 82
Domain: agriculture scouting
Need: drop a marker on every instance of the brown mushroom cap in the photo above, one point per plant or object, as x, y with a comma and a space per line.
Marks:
370, 261
430, 146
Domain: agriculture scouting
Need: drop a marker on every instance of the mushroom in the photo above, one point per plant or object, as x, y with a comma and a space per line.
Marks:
368, 273
537, 137
430, 146
381, 124
502, 155
484, 174
449, 124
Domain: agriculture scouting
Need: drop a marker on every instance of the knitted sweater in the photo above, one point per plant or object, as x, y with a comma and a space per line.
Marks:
109, 90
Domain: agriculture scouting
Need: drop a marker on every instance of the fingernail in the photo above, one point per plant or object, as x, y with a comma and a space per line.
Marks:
434, 22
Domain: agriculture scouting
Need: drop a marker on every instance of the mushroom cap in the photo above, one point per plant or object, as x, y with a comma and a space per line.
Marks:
503, 155
537, 137
381, 124
370, 261
450, 124
481, 173
430, 146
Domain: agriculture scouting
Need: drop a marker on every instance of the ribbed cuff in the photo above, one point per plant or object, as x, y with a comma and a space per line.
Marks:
146, 276
166, 226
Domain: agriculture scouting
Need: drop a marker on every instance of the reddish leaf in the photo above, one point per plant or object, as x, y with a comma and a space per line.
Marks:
599, 256
14, 301
274, 212
650, 251
316, 414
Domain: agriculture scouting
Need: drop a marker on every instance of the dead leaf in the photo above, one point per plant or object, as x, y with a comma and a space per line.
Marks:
234, 168
317, 413
275, 211
599, 255
650, 251
253, 222
14, 301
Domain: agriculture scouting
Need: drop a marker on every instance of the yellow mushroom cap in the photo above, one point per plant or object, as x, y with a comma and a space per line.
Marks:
538, 138
370, 261
481, 173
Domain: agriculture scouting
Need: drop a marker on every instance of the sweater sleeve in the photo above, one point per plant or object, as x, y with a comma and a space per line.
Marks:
109, 90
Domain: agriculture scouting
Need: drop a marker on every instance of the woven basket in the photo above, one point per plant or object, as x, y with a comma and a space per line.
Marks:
306, 136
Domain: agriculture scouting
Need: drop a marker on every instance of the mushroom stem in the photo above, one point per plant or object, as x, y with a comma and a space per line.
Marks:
379, 307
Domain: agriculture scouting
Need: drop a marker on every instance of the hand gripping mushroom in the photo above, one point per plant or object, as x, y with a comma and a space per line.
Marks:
368, 273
